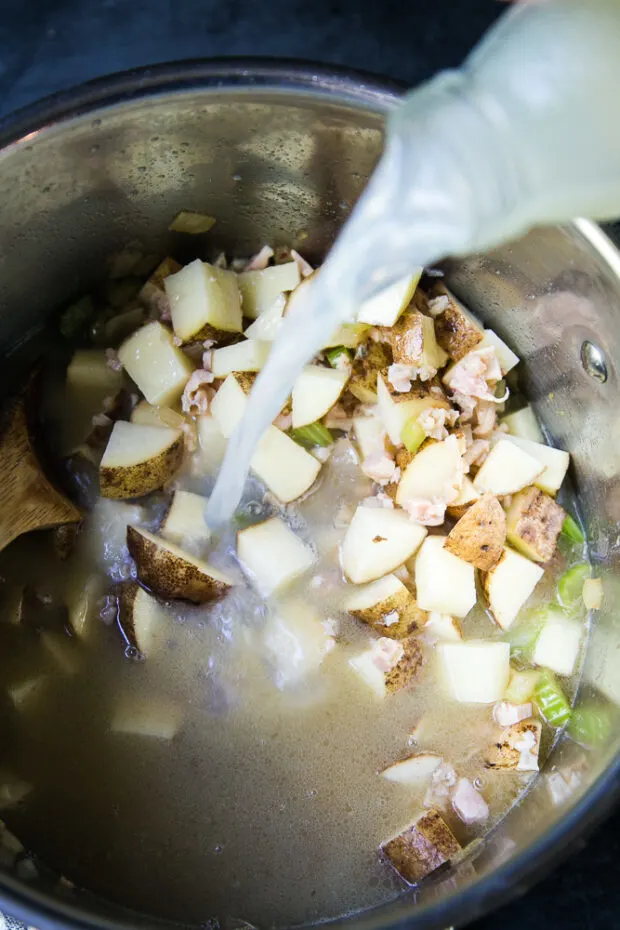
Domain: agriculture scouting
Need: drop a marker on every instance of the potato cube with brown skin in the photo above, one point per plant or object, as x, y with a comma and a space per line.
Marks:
388, 665
363, 382
517, 748
414, 342
387, 606
153, 294
171, 573
456, 330
422, 847
480, 535
534, 523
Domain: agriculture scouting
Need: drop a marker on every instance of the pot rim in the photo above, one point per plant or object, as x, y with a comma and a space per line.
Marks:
363, 90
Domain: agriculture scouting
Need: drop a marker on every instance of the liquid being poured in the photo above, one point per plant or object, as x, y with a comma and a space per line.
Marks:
474, 157
360, 265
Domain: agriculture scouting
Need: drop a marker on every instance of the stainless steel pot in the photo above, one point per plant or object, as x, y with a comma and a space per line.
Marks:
279, 154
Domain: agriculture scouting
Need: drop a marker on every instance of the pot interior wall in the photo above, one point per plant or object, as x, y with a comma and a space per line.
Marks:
285, 167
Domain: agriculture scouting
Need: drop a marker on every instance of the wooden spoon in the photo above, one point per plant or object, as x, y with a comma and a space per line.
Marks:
28, 501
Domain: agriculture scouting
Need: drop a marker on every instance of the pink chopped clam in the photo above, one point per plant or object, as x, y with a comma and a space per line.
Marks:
469, 803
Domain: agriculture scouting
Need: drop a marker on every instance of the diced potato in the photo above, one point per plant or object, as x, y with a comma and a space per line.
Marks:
414, 343
554, 463
523, 423
153, 293
443, 627
228, 405
413, 770
534, 522
558, 644
369, 435
203, 298
249, 355
296, 642
386, 307
444, 583
349, 335
376, 360
477, 671
388, 606
172, 573
378, 541
592, 593
185, 521
521, 685
505, 356
143, 621
267, 325
159, 368
517, 748
504, 472
315, 392
272, 555
89, 371
284, 466
509, 585
147, 717
422, 847
466, 497
139, 459
82, 606
480, 535
457, 330
24, 692
187, 221
394, 409
436, 471
388, 665
259, 289
212, 446
146, 414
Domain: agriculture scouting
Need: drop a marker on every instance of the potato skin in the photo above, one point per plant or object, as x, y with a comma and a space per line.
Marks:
407, 668
422, 847
411, 617
363, 381
480, 534
455, 333
534, 522
503, 756
169, 576
137, 480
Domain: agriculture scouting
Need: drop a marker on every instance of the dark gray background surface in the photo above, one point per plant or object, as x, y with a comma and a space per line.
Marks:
48, 45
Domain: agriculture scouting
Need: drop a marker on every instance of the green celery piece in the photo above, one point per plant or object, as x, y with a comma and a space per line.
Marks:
551, 700
572, 530
334, 354
590, 725
315, 434
74, 318
570, 583
523, 635
412, 435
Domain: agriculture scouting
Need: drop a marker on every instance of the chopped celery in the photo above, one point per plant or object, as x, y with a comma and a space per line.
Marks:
572, 530
412, 435
523, 635
590, 725
570, 584
315, 434
74, 318
551, 700
338, 355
